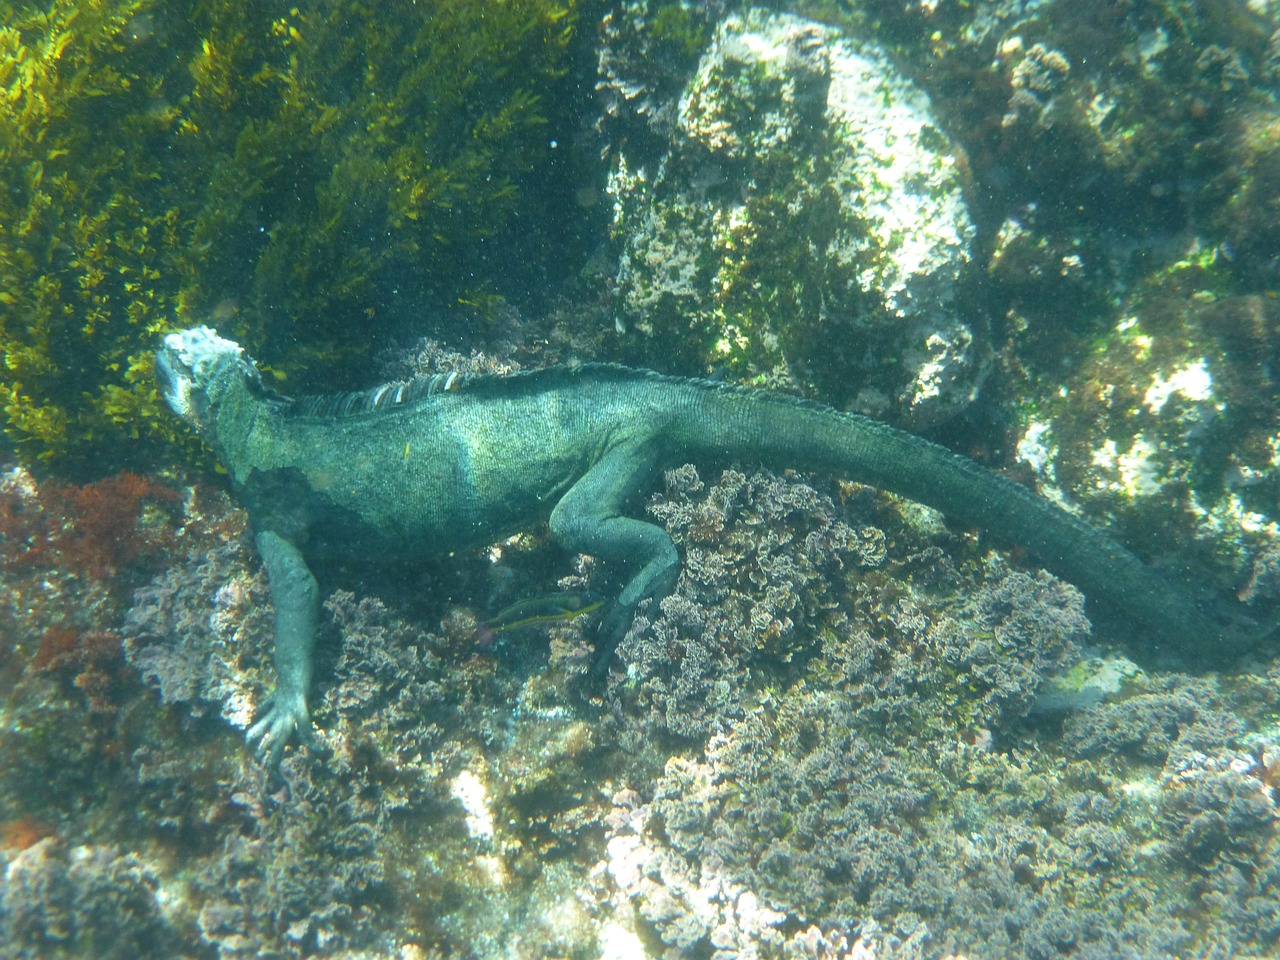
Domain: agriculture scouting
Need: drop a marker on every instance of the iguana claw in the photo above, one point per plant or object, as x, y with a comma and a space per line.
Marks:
285, 716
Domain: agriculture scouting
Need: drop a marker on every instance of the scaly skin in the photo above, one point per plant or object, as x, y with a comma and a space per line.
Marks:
437, 470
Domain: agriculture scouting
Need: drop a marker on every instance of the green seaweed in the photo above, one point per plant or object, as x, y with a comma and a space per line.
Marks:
309, 176
680, 31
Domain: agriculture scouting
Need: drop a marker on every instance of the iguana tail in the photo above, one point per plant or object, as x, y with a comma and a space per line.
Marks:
729, 422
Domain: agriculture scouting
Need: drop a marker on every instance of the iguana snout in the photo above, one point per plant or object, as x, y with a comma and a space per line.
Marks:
190, 365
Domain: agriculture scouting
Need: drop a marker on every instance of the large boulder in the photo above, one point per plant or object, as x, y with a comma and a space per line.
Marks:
803, 226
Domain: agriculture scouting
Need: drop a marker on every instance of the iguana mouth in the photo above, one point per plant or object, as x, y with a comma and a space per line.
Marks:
174, 380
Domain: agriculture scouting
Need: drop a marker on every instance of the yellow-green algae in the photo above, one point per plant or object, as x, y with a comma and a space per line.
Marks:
288, 174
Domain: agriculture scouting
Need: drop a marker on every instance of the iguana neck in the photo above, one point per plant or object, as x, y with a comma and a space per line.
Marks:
237, 409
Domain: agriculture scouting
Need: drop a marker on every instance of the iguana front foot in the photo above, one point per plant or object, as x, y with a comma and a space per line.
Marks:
285, 716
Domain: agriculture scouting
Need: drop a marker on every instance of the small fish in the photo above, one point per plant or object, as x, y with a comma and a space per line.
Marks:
554, 608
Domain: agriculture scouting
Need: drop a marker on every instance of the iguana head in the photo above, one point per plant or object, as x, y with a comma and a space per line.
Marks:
196, 367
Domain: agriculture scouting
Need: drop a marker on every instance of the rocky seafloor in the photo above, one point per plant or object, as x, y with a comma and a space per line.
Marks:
848, 733
1042, 232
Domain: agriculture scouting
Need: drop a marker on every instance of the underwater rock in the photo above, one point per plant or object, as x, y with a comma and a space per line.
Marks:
1127, 188
1168, 428
1250, 219
1218, 809
760, 551
803, 226
777, 573
190, 633
85, 901
1171, 716
694, 909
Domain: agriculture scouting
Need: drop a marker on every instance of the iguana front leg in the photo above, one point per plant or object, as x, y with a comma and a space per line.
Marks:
296, 598
589, 519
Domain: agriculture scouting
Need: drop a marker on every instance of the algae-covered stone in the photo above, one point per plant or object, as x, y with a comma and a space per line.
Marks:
805, 226
1168, 429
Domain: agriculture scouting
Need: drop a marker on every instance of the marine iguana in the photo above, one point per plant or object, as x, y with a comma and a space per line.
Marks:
441, 463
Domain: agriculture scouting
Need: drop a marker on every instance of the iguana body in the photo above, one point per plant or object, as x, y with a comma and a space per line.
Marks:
423, 468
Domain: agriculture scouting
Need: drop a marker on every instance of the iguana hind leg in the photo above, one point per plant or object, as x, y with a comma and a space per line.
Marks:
589, 519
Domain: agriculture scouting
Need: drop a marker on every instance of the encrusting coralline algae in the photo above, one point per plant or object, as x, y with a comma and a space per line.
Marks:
885, 772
